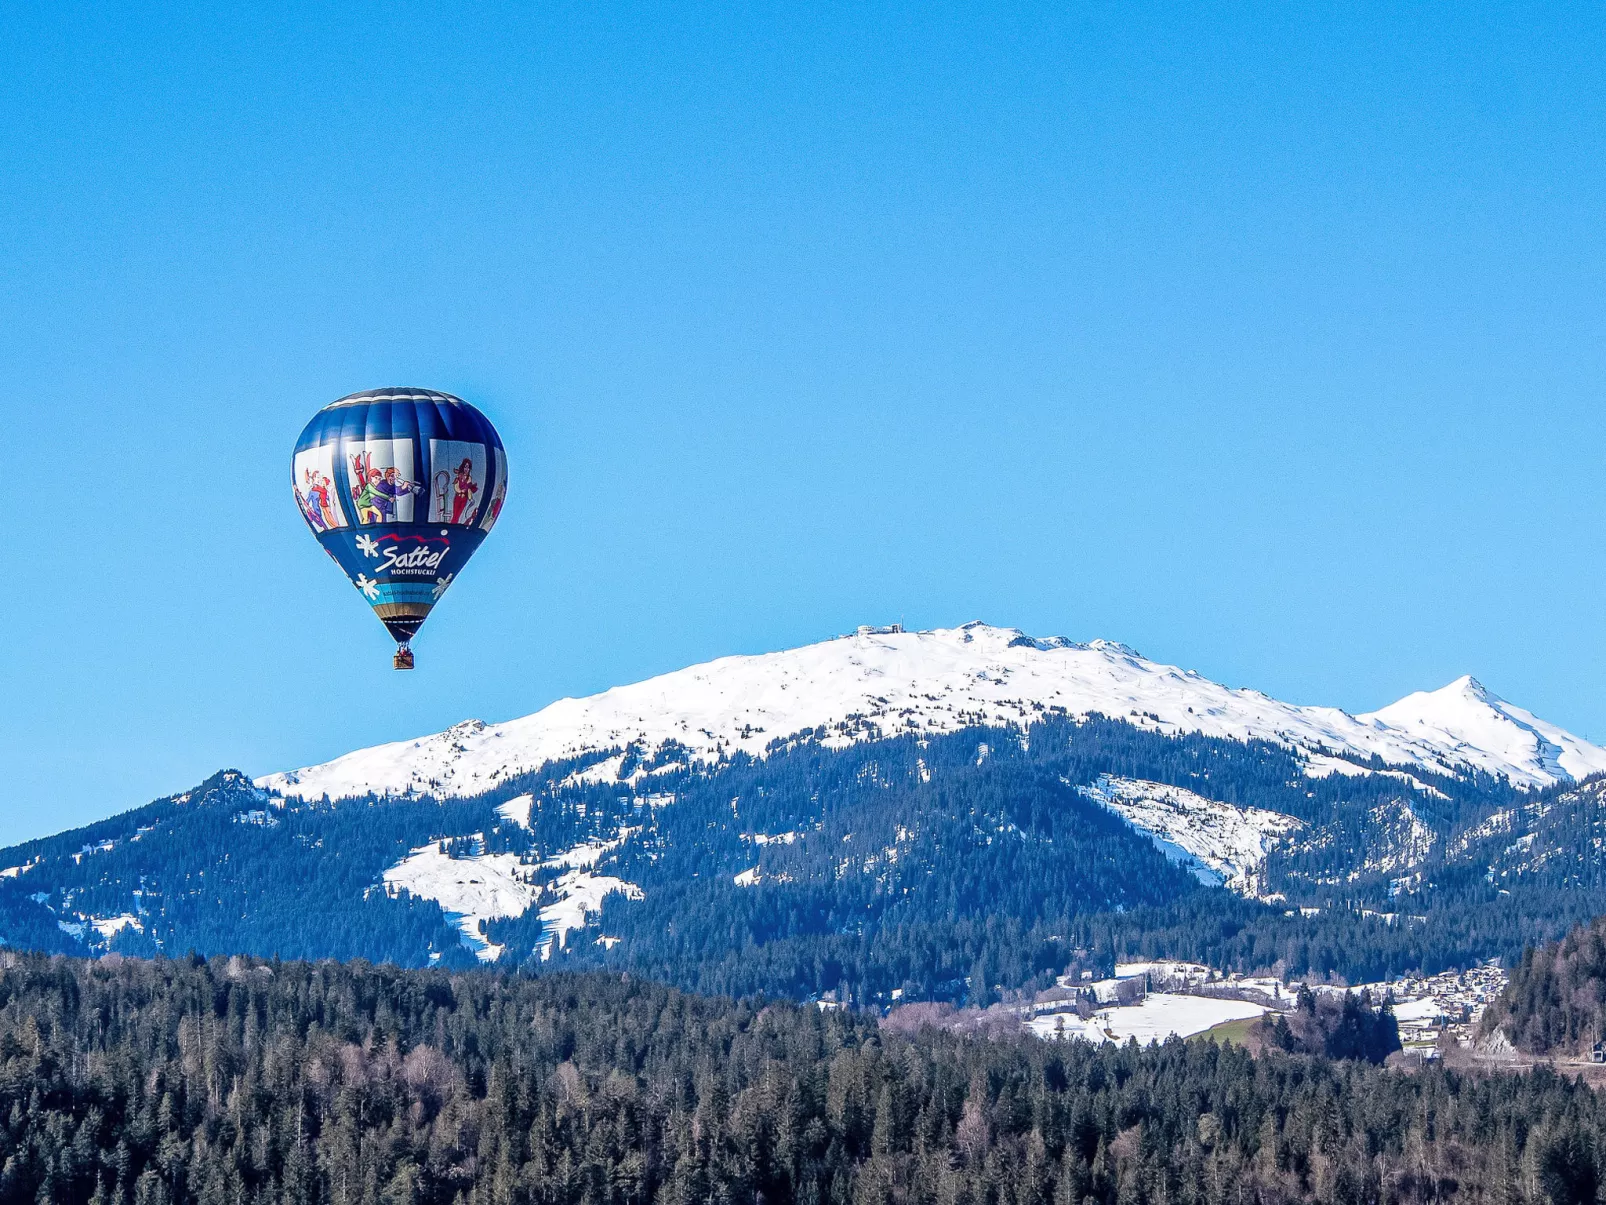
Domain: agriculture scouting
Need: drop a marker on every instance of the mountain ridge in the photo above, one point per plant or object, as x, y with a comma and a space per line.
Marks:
884, 681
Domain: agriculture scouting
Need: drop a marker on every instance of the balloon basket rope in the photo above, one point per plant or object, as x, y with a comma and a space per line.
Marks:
403, 658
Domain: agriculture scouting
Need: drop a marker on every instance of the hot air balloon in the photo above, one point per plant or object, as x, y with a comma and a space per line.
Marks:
400, 486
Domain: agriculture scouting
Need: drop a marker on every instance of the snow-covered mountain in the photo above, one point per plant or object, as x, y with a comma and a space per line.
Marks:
617, 831
883, 682
1467, 717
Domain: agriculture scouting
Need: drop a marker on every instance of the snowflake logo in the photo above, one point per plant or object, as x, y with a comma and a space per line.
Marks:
369, 587
366, 546
441, 583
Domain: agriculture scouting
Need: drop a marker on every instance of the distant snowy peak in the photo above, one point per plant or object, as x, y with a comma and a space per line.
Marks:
885, 681
1467, 716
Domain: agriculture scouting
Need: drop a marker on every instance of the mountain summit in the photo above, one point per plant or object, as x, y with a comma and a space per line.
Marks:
1468, 715
880, 682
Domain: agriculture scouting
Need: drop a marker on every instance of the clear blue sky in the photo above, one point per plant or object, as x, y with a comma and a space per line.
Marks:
1268, 342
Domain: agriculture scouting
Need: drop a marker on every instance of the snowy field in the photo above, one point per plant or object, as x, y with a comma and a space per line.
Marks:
1160, 1016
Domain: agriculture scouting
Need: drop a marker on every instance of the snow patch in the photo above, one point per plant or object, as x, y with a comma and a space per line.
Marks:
1220, 843
587, 853
1319, 765
485, 887
604, 771
1159, 1016
517, 810
770, 838
471, 890
110, 926
581, 895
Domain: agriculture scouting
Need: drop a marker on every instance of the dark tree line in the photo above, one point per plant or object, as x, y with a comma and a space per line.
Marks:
235, 1081
1338, 1025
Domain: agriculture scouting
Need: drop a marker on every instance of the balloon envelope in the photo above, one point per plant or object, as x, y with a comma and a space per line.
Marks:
400, 486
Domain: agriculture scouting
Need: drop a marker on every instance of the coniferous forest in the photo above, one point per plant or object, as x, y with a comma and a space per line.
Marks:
584, 1078
1556, 1000
231, 1080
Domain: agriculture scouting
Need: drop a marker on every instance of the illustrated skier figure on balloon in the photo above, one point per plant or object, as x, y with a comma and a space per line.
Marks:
315, 501
377, 492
